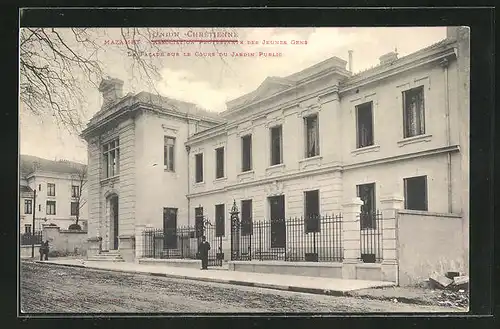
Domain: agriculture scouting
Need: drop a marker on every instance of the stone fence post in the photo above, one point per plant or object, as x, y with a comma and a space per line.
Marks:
139, 241
351, 239
390, 207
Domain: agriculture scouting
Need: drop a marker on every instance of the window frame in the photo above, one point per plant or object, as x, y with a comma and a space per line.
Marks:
51, 189
77, 189
199, 168
247, 223
358, 131
48, 206
308, 227
168, 163
77, 211
106, 159
280, 145
28, 206
368, 219
220, 220
420, 117
317, 150
426, 192
220, 171
245, 167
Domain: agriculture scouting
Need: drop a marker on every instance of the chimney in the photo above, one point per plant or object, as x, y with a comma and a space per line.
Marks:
111, 90
350, 61
388, 58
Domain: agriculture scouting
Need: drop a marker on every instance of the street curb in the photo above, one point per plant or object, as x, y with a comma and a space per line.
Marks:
314, 291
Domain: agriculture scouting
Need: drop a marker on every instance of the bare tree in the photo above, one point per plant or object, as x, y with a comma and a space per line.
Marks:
57, 66
78, 182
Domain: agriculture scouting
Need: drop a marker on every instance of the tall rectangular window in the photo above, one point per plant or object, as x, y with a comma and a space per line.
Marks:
219, 220
364, 123
246, 217
27, 228
28, 206
219, 162
198, 222
246, 153
312, 135
311, 210
51, 208
74, 208
75, 191
51, 189
111, 158
276, 145
416, 193
414, 112
199, 167
366, 192
168, 153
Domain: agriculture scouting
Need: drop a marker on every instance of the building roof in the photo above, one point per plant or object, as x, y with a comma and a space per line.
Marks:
29, 163
25, 189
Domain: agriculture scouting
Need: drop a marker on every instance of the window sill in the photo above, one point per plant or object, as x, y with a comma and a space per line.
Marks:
199, 184
245, 175
415, 139
221, 179
366, 149
110, 180
278, 168
169, 171
312, 161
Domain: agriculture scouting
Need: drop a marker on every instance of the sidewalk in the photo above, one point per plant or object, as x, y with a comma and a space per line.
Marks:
313, 285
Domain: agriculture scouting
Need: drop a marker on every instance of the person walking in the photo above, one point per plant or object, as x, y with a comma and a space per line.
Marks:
45, 249
203, 249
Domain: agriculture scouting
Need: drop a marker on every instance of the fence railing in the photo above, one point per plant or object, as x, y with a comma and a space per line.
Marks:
371, 225
314, 239
31, 238
182, 243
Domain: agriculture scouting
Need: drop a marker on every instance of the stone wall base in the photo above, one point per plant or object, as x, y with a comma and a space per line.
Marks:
126, 247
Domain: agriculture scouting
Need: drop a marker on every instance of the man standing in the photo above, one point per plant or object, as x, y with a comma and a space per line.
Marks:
203, 249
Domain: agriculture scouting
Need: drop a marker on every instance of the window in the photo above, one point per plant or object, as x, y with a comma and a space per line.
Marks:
312, 135
51, 189
366, 193
199, 167
246, 153
75, 191
416, 193
219, 162
39, 207
28, 206
74, 208
246, 217
39, 187
364, 123
219, 220
51, 207
111, 158
199, 225
276, 145
27, 228
413, 112
311, 209
168, 153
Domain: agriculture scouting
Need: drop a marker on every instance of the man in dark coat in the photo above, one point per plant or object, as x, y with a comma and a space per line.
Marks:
44, 250
203, 249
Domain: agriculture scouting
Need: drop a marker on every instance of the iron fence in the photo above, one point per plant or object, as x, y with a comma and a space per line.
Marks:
313, 239
28, 238
182, 243
371, 237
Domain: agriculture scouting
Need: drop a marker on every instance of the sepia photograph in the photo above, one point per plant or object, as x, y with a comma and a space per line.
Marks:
244, 170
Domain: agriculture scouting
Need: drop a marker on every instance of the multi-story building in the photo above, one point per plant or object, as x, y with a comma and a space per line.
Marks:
61, 193
296, 146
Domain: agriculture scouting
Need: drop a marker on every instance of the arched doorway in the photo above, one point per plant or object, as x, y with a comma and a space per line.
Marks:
113, 221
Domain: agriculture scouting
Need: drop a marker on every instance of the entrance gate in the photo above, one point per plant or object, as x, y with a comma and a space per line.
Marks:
203, 227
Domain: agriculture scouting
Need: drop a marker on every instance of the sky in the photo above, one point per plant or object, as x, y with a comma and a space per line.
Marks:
211, 81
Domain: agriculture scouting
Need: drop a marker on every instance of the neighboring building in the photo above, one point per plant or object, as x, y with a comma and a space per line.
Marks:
298, 145
57, 184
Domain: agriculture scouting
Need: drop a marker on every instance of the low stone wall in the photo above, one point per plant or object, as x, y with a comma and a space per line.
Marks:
429, 242
315, 269
65, 242
25, 251
187, 263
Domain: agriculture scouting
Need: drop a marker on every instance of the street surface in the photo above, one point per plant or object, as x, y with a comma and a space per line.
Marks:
56, 289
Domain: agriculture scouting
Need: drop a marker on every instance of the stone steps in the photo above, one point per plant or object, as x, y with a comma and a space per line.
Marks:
107, 256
